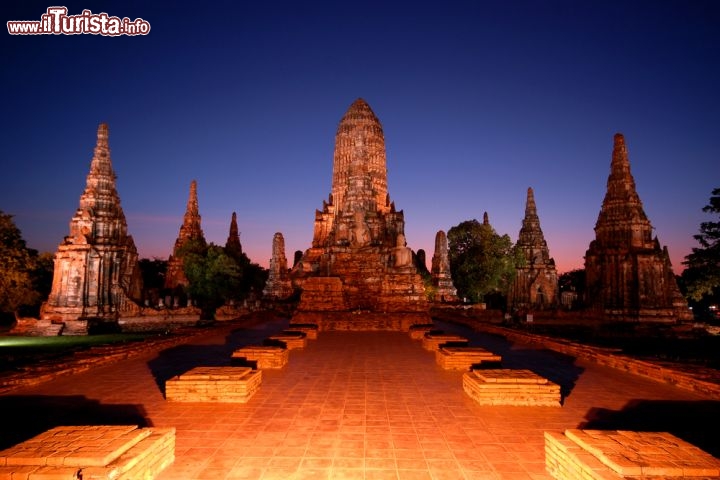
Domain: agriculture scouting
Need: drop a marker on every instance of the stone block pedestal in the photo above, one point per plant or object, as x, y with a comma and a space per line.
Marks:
309, 329
265, 356
511, 387
433, 341
118, 452
617, 455
417, 332
291, 340
464, 358
214, 384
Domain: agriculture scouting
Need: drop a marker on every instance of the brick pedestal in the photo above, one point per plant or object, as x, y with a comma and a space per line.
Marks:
214, 384
417, 332
511, 387
464, 358
611, 455
433, 341
309, 329
291, 340
118, 452
265, 356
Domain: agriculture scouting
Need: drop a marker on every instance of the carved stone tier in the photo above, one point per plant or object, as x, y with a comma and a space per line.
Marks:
511, 387
359, 266
96, 275
214, 384
617, 455
122, 452
464, 358
628, 275
264, 356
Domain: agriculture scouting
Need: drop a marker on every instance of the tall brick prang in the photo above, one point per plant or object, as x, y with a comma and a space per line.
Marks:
359, 266
536, 281
278, 285
445, 290
628, 275
96, 274
190, 231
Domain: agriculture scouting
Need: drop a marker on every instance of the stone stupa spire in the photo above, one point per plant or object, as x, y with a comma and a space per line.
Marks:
536, 282
278, 285
445, 290
628, 274
360, 152
233, 245
622, 216
96, 273
190, 230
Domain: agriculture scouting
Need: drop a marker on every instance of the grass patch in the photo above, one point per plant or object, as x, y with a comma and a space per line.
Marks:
19, 351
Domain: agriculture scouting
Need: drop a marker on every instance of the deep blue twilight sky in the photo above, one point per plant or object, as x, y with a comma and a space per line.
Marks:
478, 99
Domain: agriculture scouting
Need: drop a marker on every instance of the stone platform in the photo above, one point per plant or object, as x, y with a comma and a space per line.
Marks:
464, 358
291, 340
309, 329
214, 384
433, 341
118, 452
611, 454
511, 387
265, 356
417, 332
361, 321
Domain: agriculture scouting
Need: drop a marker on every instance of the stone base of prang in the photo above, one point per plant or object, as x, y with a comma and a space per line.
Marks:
309, 329
617, 455
418, 331
464, 358
214, 384
291, 340
362, 321
117, 452
511, 387
264, 356
433, 341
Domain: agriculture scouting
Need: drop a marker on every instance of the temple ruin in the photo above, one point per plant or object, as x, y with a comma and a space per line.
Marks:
233, 247
445, 290
359, 266
190, 231
278, 285
628, 275
536, 282
96, 276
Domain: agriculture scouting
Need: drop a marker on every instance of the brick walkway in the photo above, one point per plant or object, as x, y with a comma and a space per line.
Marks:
356, 406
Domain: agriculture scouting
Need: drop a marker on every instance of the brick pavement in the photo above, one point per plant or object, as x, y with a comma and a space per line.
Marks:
357, 406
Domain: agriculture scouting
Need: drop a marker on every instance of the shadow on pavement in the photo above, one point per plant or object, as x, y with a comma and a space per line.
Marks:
688, 420
27, 416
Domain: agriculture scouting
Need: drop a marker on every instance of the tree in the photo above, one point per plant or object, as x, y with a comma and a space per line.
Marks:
482, 263
701, 278
17, 269
214, 277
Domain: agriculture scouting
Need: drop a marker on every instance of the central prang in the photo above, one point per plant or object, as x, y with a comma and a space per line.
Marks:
359, 273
